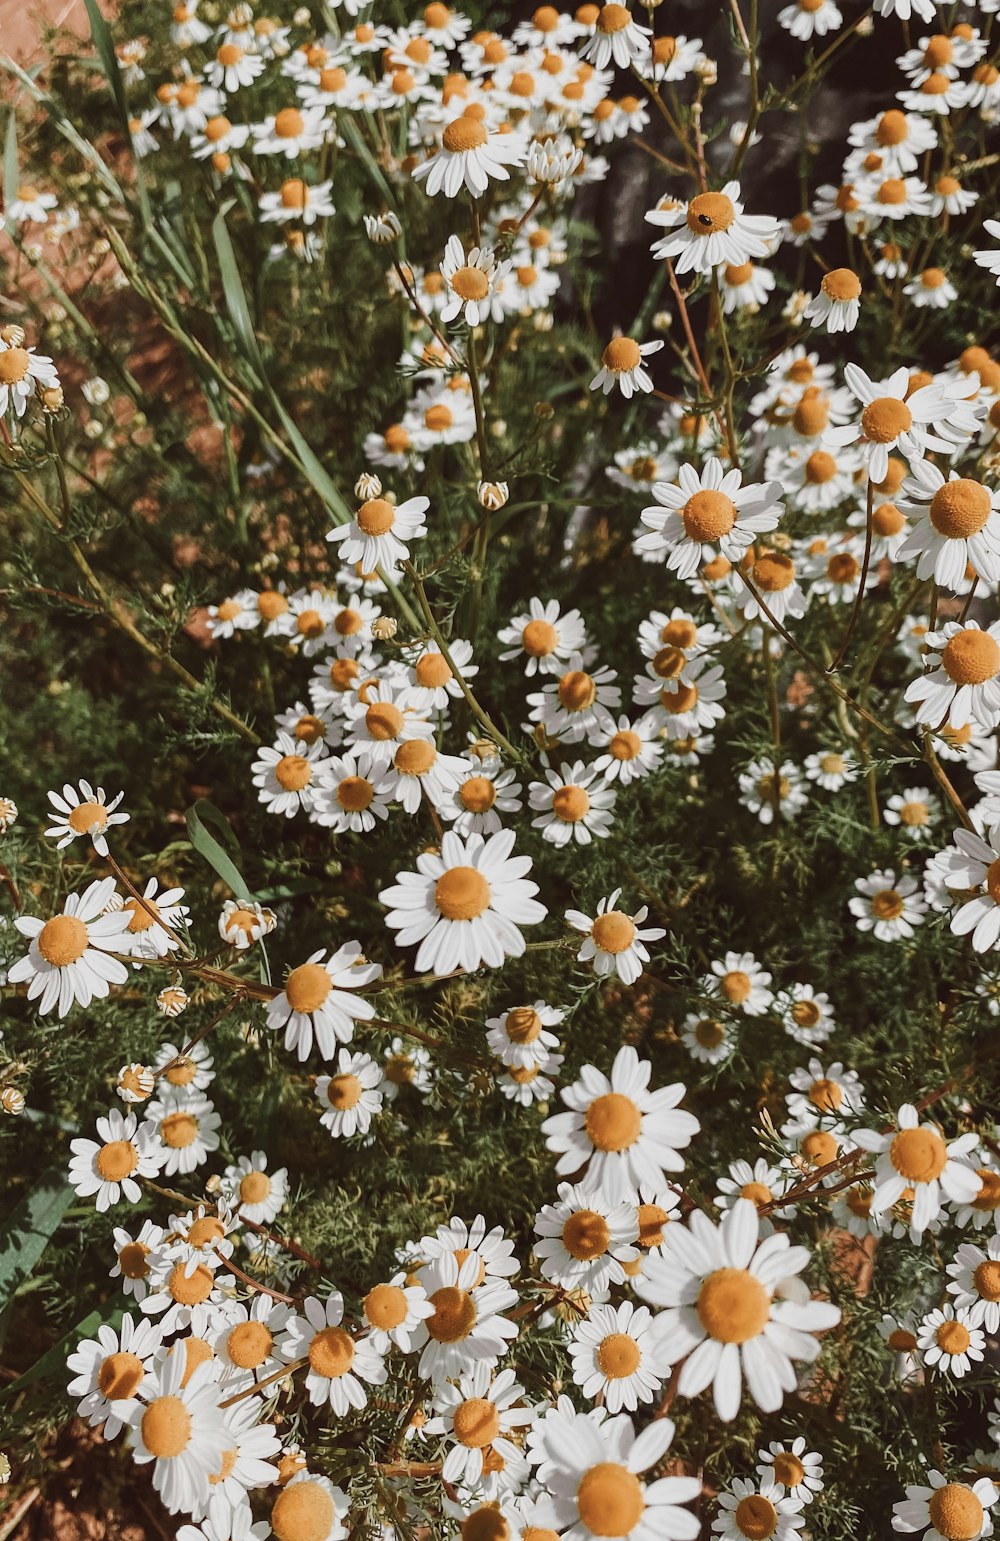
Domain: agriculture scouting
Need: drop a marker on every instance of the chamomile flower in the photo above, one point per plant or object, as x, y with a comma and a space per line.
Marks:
544, 637
483, 792
916, 1156
179, 1430
319, 1001
286, 775
752, 1509
974, 1285
799, 1471
186, 1125
243, 922
22, 373
707, 1039
889, 906
806, 1014
957, 525
949, 1341
624, 1133
914, 812
391, 1312
837, 306
245, 1343
465, 906
710, 230
614, 1353
622, 365
519, 1035
470, 155
806, 19
576, 804
891, 418
476, 1418
133, 1256
761, 1183
81, 812
971, 870
613, 942
946, 1511
616, 38
147, 934
467, 1324
380, 533
772, 792
722, 1316
68, 960
568, 707
584, 1240
356, 789
380, 723
631, 750
255, 1193
338, 1362
135, 1083
830, 769
821, 1092
964, 689
112, 1370
707, 509
740, 981
310, 1505
351, 1098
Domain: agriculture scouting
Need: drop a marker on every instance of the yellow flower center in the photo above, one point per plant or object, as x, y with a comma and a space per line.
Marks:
14, 364
119, 1376
62, 940
478, 794
736, 986
756, 1517
652, 1219
625, 745
385, 1306
884, 419
132, 1260
733, 1306
304, 1511
820, 467
971, 657
956, 1512
179, 1130
293, 772
376, 516
355, 794
571, 804
887, 904
476, 1423
710, 213
539, 639
960, 508
116, 1160
344, 1092
289, 123
788, 1469
190, 1289
919, 1155
254, 1187
166, 1428
577, 691
462, 893
708, 515
618, 1356
464, 134
585, 1235
454, 1314
841, 285
249, 1345
621, 354
613, 1122
774, 572
432, 671
470, 283
758, 1194
610, 1499
523, 1024
613, 932
988, 1197
825, 1095
207, 1229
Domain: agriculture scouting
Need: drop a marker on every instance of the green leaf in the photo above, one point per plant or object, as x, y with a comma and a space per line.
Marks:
101, 34
222, 854
357, 141
234, 292
11, 176
27, 1232
53, 1361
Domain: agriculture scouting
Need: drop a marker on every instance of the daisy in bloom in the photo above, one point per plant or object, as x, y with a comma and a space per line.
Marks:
245, 1342
741, 982
475, 1418
761, 1183
147, 935
973, 871
957, 525
707, 510
572, 807
990, 260
706, 1039
754, 1509
614, 1353
830, 769
391, 1312
472, 282
621, 365
711, 230
351, 1098
769, 792
889, 907
186, 1125
616, 38
984, 1210
179, 1071
465, 906
467, 1325
950, 1341
180, 1431
837, 306
338, 1363
891, 419
613, 942
931, 289
593, 1484
433, 685
286, 775
297, 200
544, 638
717, 1285
946, 1511
255, 1193
379, 533
519, 1037
310, 1505
974, 1284
483, 791
469, 156
22, 372
318, 1001
569, 707
916, 1156
621, 1131
380, 723
810, 18
245, 1463
823, 1091
525, 1084
806, 1014
356, 790
112, 1370
632, 750
913, 812
405, 1066
67, 960
132, 1258
965, 687
584, 1240
800, 1472
243, 922
84, 811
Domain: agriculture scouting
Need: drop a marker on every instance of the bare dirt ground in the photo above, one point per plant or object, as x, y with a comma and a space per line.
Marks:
22, 26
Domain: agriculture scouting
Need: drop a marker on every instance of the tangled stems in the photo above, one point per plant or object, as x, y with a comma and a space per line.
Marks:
859, 598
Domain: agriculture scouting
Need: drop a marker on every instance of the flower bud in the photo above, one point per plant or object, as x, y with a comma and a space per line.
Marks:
367, 486
12, 1101
384, 628
172, 1000
493, 495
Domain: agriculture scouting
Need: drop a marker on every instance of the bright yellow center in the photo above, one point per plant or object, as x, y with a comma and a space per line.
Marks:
960, 508
577, 691
116, 1160
166, 1428
119, 1376
179, 1130
956, 1512
756, 1517
613, 1122
62, 940
462, 893
707, 516
383, 721
331, 1352
470, 283
610, 1499
385, 1306
919, 1155
971, 657
304, 1511
476, 1423
376, 517
586, 1235
464, 134
884, 419
613, 932
571, 804
618, 1356
539, 638
733, 1306
292, 772
249, 1345
710, 213
454, 1314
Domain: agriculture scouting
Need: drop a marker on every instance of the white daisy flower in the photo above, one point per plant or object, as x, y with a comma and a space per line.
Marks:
22, 373
810, 18
319, 1000
67, 959
576, 804
255, 1193
391, 1312
632, 750
624, 1133
740, 981
769, 792
761, 1183
132, 1258
543, 637
722, 1318
974, 1284
110, 1372
888, 906
830, 769
569, 707
990, 260
613, 942
297, 200
127, 1150
433, 686
751, 1509
931, 290
890, 419
916, 1156
972, 870
710, 230
351, 1098
616, 38
964, 689
472, 283
584, 1240
244, 921
338, 1363
621, 365
706, 1039
483, 791
494, 1250
707, 510
914, 812
246, 1341
290, 131
232, 68
470, 155
837, 306
146, 934
525, 1084
186, 1125
467, 1325
476, 1418
593, 1487
135, 1083
806, 1014
945, 1510
310, 1505
406, 1066
774, 576
181, 1432
519, 1037
286, 775
615, 1354
356, 789
84, 811
381, 532
380, 722
957, 525
465, 906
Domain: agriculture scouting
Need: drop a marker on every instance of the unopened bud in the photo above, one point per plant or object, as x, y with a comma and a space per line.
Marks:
51, 397
12, 1101
384, 628
172, 1000
13, 335
493, 495
367, 486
